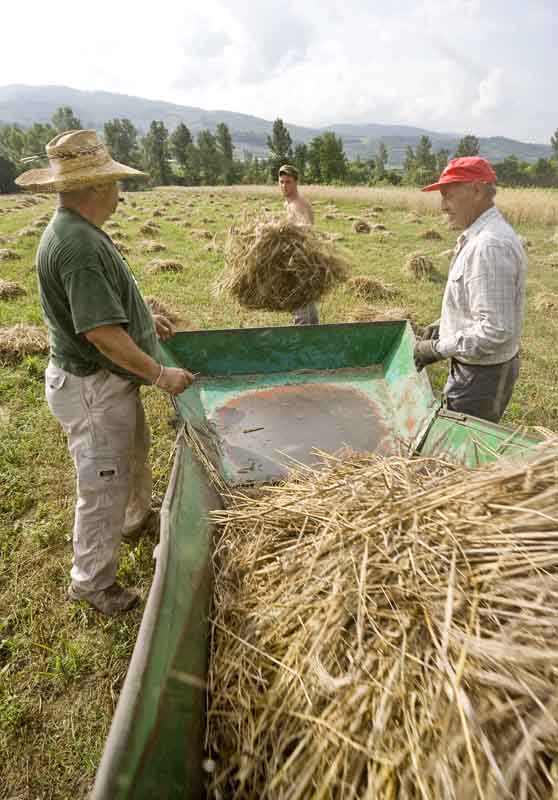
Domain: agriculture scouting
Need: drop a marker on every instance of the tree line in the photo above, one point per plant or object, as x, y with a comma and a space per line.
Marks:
209, 159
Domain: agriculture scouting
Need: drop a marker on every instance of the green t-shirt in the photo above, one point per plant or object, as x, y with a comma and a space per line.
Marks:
83, 283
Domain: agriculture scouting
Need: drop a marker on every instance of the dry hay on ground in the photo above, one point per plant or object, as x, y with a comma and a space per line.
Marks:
174, 218
379, 227
329, 217
552, 260
207, 221
121, 246
28, 231
10, 289
366, 313
133, 218
370, 289
20, 340
8, 255
164, 265
274, 264
419, 266
413, 218
158, 307
361, 226
386, 628
113, 225
546, 301
201, 233
157, 212
526, 243
431, 234
149, 246
447, 253
331, 237
150, 228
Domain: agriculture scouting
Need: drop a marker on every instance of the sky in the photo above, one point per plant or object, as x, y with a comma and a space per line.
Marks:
471, 66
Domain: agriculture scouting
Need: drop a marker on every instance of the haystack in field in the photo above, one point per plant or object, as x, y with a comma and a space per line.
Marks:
201, 233
370, 289
150, 228
10, 289
164, 265
419, 266
157, 212
361, 226
379, 227
546, 301
413, 218
552, 260
275, 265
20, 340
149, 246
9, 255
27, 232
386, 628
431, 235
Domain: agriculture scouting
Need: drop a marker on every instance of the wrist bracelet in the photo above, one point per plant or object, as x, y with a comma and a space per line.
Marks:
161, 370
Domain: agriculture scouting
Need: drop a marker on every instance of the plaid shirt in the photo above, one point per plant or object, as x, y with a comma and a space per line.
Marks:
482, 309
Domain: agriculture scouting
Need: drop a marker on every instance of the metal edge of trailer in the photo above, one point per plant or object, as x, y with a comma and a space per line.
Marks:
155, 743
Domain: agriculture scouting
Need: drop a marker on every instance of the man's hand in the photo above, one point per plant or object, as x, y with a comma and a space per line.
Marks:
163, 327
426, 352
174, 381
432, 331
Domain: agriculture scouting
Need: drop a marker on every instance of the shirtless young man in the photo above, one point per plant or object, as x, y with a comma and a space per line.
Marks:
300, 211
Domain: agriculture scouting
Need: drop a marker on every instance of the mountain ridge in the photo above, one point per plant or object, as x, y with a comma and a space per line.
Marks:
23, 105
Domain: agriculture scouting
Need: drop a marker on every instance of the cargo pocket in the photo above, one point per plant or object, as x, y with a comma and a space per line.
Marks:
55, 381
101, 474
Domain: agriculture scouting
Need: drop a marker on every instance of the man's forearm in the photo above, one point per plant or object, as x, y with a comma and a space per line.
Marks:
114, 343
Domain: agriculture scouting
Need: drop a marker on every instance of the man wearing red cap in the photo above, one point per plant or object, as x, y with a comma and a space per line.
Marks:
482, 310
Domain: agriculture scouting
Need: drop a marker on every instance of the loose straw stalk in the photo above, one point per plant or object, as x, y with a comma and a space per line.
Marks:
387, 628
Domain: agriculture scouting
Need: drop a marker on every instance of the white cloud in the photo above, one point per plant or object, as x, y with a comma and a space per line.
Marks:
456, 65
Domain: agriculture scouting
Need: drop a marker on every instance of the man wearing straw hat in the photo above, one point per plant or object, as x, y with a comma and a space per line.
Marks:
103, 344
483, 306
299, 211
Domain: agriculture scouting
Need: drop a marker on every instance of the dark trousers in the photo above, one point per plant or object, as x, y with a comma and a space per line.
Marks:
483, 391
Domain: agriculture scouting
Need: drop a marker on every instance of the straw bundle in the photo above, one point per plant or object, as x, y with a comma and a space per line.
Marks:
379, 227
164, 265
18, 341
386, 628
8, 255
546, 301
150, 228
361, 226
276, 265
149, 246
431, 234
9, 289
419, 266
201, 233
28, 231
371, 289
158, 307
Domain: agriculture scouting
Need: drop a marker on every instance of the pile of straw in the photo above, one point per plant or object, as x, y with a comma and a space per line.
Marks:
158, 307
546, 301
419, 266
18, 341
431, 234
150, 246
371, 289
8, 255
164, 265
10, 289
366, 313
361, 226
275, 265
386, 628
150, 228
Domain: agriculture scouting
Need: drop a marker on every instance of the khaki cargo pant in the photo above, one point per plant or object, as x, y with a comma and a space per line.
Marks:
108, 439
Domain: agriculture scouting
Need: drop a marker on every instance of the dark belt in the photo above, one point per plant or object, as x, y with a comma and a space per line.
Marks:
486, 366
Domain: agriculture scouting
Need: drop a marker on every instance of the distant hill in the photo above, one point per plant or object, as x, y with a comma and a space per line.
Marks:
24, 105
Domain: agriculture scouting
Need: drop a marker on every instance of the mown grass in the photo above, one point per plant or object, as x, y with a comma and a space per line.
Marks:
62, 665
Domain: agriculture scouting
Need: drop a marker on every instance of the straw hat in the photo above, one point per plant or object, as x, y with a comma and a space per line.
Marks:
77, 159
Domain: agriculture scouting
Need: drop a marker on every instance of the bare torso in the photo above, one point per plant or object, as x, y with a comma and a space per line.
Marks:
299, 210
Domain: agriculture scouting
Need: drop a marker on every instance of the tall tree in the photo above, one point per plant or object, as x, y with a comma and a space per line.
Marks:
332, 158
554, 143
37, 137
156, 153
469, 145
300, 159
179, 142
121, 138
64, 119
281, 146
380, 161
442, 158
210, 164
224, 143
8, 173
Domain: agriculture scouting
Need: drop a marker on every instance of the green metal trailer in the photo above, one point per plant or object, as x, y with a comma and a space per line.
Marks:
266, 399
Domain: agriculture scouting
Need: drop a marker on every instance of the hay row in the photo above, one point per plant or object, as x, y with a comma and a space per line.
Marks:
386, 628
20, 340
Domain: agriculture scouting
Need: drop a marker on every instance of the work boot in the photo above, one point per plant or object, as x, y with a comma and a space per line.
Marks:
113, 600
148, 525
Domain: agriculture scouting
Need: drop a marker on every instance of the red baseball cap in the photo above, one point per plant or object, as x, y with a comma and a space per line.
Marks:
469, 169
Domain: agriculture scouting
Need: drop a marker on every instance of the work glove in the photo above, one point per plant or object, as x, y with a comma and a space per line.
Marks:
426, 352
432, 331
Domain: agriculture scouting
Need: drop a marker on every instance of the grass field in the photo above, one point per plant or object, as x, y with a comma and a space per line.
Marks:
62, 665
